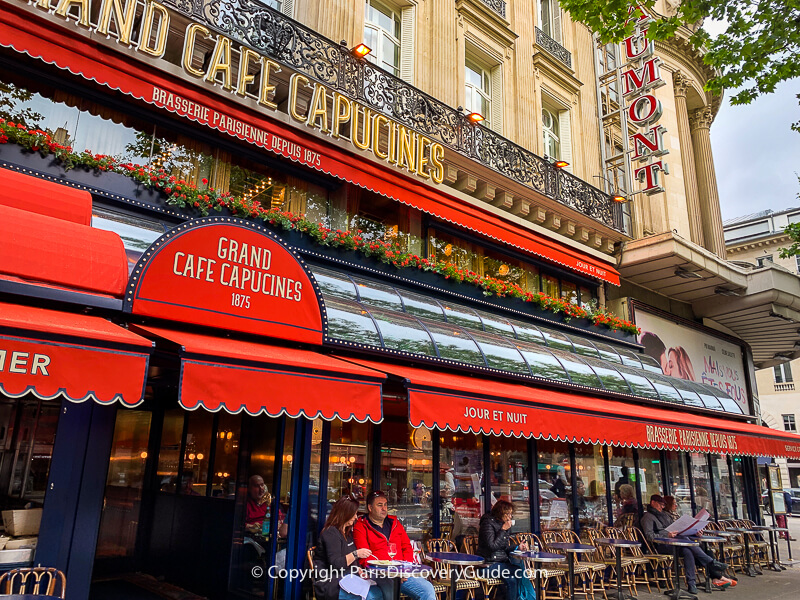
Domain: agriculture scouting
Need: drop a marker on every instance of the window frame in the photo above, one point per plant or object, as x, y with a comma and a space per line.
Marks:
782, 373
789, 422
470, 90
376, 56
551, 27
551, 132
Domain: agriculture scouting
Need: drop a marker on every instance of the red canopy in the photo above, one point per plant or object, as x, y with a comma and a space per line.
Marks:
48, 352
38, 195
260, 378
464, 403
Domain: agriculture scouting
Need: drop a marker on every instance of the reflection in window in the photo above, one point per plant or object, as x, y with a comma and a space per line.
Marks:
679, 481
555, 485
334, 284
510, 481
640, 385
623, 476
611, 378
650, 474
226, 456
607, 352
462, 487
461, 315
501, 353
701, 480
579, 372
403, 332
542, 363
349, 465
496, 325
665, 388
378, 295
137, 233
422, 306
169, 454
591, 491
349, 321
556, 339
722, 486
197, 454
738, 487
407, 474
528, 333
583, 346
455, 344
629, 358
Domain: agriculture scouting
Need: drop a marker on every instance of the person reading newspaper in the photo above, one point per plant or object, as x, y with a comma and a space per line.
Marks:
657, 523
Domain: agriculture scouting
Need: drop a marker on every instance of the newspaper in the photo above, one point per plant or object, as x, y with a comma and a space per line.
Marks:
685, 525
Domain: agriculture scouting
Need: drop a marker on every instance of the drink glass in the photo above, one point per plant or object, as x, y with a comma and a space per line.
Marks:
392, 551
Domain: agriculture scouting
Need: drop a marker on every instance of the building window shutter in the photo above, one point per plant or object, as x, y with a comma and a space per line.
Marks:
556, 9
565, 138
497, 100
287, 8
407, 43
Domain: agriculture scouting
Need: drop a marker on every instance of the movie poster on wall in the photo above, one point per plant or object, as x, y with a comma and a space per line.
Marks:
694, 354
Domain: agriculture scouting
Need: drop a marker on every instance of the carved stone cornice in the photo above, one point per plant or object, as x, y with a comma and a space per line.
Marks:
701, 118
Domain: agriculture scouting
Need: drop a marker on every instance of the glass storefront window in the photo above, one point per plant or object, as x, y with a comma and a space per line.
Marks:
679, 481
349, 465
722, 486
555, 485
378, 296
350, 321
510, 478
651, 478
542, 363
550, 285
701, 480
198, 452
591, 499
170, 452
122, 502
407, 472
738, 487
226, 456
400, 331
454, 343
462, 485
29, 446
621, 469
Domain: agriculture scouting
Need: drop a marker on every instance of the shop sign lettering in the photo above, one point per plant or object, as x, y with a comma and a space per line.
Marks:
242, 72
507, 416
690, 438
24, 363
227, 275
640, 79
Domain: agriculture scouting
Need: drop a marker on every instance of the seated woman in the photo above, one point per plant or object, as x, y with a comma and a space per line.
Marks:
494, 544
337, 551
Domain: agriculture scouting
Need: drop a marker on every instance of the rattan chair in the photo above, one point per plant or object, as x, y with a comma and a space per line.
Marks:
441, 575
41, 581
758, 546
660, 564
548, 572
584, 575
606, 555
639, 562
733, 549
595, 571
488, 584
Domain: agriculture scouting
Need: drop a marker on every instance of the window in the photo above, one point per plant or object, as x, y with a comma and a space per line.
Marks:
797, 264
764, 261
382, 33
789, 423
550, 19
479, 91
552, 144
783, 373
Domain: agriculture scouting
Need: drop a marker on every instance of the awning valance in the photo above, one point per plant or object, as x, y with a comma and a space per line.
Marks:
236, 375
50, 353
462, 403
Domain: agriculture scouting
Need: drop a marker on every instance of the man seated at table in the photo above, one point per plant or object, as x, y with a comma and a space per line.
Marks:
654, 524
376, 530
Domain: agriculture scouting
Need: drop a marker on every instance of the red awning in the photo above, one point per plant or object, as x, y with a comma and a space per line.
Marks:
463, 403
79, 56
260, 378
48, 352
38, 195
54, 251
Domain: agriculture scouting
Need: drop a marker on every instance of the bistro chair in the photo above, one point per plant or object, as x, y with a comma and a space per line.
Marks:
548, 571
583, 574
759, 546
42, 581
729, 551
660, 564
489, 584
606, 555
733, 550
594, 570
441, 573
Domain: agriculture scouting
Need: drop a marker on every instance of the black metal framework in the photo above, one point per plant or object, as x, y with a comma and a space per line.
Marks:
552, 47
303, 50
498, 6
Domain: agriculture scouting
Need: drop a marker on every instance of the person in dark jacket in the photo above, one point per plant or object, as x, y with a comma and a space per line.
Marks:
336, 554
654, 524
494, 544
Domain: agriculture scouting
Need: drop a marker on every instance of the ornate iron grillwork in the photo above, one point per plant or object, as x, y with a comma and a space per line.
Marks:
498, 6
553, 47
303, 50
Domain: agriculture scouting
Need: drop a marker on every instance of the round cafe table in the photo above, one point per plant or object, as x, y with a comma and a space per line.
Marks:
571, 550
704, 540
619, 544
538, 558
397, 572
749, 569
677, 543
458, 559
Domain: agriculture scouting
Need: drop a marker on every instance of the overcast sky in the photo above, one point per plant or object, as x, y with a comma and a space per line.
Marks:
756, 154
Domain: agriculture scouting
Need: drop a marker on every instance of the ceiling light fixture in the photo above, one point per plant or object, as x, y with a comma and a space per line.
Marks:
727, 291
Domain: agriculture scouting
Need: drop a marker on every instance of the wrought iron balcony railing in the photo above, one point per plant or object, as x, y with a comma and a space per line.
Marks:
498, 6
301, 49
553, 47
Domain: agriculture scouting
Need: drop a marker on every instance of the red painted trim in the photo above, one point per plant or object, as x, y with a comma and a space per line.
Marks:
69, 51
461, 403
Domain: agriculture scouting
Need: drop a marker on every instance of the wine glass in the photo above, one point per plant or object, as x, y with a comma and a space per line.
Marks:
392, 550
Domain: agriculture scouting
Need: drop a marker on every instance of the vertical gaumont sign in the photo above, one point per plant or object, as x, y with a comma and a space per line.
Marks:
230, 274
641, 77
233, 69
